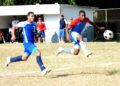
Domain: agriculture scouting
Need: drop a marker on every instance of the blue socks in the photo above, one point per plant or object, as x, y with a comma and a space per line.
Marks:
16, 59
40, 63
38, 58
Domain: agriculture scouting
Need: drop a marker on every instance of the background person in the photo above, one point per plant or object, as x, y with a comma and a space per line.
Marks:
41, 30
62, 29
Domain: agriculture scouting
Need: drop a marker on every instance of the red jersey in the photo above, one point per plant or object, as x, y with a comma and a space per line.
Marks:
76, 21
41, 26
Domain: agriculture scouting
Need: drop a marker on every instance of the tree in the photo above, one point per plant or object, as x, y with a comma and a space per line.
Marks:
7, 2
72, 2
96, 3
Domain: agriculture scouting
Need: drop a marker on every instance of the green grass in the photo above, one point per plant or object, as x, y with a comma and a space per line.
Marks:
101, 69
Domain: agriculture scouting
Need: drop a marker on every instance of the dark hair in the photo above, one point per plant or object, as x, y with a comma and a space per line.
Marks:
62, 15
30, 13
10, 25
82, 11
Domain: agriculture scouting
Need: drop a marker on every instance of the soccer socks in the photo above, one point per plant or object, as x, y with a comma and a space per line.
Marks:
68, 50
40, 63
16, 59
83, 47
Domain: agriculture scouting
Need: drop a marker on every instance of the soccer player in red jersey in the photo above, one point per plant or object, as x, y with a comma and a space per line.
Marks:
76, 27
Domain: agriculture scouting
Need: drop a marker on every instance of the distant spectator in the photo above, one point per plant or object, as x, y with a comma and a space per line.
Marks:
10, 28
62, 29
15, 21
2, 40
10, 33
41, 30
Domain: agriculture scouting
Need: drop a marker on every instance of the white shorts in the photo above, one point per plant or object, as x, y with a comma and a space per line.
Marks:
75, 40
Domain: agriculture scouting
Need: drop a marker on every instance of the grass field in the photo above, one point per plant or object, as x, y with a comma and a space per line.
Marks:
101, 69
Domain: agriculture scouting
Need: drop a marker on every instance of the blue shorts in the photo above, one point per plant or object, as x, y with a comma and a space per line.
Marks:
42, 34
29, 48
61, 33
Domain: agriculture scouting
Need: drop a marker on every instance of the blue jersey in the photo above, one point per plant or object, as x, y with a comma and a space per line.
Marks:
28, 31
28, 37
77, 25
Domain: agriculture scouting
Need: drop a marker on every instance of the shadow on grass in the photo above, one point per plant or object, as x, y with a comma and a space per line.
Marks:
58, 75
112, 72
107, 73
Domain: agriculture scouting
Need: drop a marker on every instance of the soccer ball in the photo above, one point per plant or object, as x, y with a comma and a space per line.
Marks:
108, 34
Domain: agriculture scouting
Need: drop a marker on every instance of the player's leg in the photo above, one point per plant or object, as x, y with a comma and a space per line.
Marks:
39, 38
43, 39
40, 63
23, 57
43, 36
83, 47
62, 35
39, 60
74, 51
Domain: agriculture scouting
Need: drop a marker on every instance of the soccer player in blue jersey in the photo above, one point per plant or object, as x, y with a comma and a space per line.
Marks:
76, 27
29, 27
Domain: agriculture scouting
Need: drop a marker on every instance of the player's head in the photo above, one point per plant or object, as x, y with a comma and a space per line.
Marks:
82, 15
15, 17
62, 16
30, 16
39, 18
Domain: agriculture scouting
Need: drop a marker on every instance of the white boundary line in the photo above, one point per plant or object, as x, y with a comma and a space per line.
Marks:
5, 74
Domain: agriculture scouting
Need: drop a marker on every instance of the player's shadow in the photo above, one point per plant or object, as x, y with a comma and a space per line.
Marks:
62, 75
112, 72
52, 75
107, 73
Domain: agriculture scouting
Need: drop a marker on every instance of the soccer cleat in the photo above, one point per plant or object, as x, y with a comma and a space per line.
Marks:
59, 51
7, 62
45, 71
88, 54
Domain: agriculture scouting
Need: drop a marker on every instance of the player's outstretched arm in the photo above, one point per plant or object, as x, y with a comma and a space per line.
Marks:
13, 33
96, 26
20, 24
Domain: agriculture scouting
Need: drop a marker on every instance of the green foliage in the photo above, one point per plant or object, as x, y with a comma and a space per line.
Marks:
96, 3
29, 2
7, 2
72, 2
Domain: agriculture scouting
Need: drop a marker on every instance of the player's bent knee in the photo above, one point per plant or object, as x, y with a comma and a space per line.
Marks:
25, 56
24, 59
76, 52
38, 53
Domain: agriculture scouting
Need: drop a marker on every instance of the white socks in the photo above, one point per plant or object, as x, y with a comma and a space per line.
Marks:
83, 47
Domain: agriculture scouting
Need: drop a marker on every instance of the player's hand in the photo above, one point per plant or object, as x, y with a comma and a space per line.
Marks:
101, 28
13, 38
38, 31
